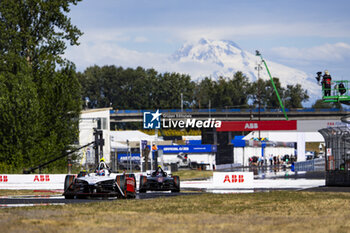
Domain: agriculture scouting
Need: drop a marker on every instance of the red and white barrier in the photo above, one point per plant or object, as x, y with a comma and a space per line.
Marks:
38, 181
233, 180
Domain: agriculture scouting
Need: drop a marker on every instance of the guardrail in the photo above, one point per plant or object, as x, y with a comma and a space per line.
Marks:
254, 110
310, 165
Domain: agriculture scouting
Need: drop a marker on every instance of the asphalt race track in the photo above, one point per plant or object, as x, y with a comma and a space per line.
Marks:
37, 200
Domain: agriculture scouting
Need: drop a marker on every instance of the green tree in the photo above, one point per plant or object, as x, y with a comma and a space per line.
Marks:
224, 92
321, 104
262, 91
40, 94
240, 87
271, 96
169, 89
294, 96
19, 120
258, 93
101, 85
204, 92
109, 86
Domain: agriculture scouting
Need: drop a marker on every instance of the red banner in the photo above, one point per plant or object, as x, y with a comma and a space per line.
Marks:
257, 125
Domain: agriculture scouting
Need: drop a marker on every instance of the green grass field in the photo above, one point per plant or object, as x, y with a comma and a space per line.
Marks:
281, 211
193, 174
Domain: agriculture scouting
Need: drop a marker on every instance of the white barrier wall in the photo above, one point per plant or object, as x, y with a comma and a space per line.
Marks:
238, 156
233, 180
42, 181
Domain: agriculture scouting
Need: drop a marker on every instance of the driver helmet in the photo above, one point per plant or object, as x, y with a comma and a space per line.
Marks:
102, 164
101, 172
158, 170
326, 72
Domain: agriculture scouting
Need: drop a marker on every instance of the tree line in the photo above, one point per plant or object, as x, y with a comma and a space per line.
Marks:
139, 88
40, 97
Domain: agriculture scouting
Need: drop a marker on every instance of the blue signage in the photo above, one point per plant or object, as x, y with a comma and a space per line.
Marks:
188, 149
143, 144
135, 156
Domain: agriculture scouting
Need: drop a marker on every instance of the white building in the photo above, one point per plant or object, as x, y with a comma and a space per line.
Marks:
132, 136
90, 119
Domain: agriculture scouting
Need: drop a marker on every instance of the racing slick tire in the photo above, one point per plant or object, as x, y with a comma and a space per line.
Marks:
143, 179
68, 196
176, 184
68, 181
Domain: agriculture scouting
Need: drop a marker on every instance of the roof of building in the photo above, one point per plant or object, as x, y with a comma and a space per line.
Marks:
132, 136
95, 110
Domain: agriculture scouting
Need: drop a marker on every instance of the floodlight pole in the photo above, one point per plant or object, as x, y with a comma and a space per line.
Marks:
258, 68
273, 84
182, 102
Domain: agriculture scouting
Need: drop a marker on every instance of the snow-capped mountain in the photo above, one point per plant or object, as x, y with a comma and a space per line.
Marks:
224, 58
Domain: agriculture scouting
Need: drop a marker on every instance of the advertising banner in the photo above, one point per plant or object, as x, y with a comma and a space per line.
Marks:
315, 125
257, 125
133, 156
38, 181
233, 180
188, 149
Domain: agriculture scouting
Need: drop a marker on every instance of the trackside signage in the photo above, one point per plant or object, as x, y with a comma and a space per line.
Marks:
233, 180
257, 125
37, 181
188, 149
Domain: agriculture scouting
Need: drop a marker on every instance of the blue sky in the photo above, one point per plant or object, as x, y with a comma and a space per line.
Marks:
305, 34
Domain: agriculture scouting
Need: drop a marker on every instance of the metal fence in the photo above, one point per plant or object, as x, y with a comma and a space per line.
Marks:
310, 165
337, 141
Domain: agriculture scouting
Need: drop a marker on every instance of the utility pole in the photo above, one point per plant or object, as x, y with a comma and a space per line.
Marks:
258, 68
128, 155
98, 145
156, 151
209, 109
182, 102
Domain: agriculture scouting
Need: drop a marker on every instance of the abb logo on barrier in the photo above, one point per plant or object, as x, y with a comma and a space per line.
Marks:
41, 178
251, 126
3, 179
227, 126
234, 179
